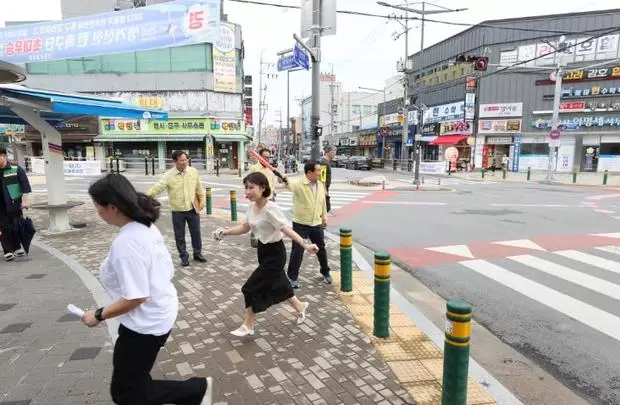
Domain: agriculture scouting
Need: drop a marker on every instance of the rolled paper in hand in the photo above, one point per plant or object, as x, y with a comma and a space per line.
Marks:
75, 310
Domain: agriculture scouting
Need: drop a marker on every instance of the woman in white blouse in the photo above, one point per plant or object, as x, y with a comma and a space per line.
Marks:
137, 275
268, 284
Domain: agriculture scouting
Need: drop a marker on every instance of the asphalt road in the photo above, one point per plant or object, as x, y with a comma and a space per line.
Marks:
548, 289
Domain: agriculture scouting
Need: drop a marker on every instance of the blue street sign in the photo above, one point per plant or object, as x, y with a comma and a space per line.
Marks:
287, 63
301, 57
401, 111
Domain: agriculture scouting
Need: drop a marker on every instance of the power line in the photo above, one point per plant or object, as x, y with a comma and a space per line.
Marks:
453, 23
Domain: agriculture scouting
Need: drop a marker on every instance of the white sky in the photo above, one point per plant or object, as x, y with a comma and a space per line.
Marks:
362, 53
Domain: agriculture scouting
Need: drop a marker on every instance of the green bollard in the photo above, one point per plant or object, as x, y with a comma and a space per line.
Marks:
605, 177
529, 173
346, 260
574, 176
456, 353
483, 171
382, 295
209, 201
233, 206
504, 174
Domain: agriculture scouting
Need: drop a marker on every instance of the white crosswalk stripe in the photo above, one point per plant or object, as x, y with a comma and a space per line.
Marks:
338, 199
571, 282
449, 181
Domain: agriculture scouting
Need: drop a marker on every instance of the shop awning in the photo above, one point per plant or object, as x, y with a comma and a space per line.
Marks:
428, 138
229, 138
449, 139
57, 106
150, 138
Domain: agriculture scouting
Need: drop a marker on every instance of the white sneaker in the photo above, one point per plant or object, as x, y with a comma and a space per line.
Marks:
20, 252
208, 398
302, 315
243, 331
9, 257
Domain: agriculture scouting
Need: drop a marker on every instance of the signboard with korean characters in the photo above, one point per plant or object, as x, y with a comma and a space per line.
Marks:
575, 123
445, 112
227, 126
499, 110
589, 74
499, 126
455, 128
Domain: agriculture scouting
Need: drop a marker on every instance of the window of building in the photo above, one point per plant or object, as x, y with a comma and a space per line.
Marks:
118, 63
534, 149
155, 61
190, 58
355, 109
367, 110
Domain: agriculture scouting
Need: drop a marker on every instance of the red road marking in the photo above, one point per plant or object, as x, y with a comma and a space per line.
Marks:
417, 257
359, 206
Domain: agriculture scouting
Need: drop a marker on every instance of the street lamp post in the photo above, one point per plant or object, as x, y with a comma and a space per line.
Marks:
422, 12
382, 108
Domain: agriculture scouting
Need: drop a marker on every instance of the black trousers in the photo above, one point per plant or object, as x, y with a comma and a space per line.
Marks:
327, 200
317, 236
10, 241
192, 218
133, 359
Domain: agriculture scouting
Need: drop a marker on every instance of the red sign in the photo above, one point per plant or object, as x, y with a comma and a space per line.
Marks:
248, 116
573, 106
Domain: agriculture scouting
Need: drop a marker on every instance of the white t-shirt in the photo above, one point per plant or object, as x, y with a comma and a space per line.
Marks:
267, 225
139, 265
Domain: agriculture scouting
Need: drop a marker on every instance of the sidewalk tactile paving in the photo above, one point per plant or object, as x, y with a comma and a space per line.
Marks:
410, 371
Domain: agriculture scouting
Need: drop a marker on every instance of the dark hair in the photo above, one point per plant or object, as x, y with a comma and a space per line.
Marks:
177, 154
2, 150
310, 166
116, 190
260, 180
260, 152
329, 148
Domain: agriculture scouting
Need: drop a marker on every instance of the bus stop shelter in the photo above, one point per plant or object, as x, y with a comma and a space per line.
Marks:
41, 109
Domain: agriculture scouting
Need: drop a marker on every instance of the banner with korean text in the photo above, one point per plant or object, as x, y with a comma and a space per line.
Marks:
177, 23
225, 61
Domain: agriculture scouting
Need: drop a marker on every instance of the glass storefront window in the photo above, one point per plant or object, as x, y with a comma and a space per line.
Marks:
534, 149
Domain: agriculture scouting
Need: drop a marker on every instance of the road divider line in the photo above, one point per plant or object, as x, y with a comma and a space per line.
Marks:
573, 276
526, 205
429, 203
587, 314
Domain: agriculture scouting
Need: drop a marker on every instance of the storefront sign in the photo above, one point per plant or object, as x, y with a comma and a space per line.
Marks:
71, 167
172, 126
499, 140
445, 112
451, 154
499, 126
575, 122
575, 106
517, 152
176, 23
224, 60
591, 91
583, 75
470, 105
10, 129
455, 127
227, 126
430, 129
499, 110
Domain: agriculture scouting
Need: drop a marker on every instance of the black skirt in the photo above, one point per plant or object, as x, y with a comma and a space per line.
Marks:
268, 284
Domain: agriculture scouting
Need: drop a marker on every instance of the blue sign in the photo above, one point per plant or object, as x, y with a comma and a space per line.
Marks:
517, 152
176, 23
287, 63
301, 57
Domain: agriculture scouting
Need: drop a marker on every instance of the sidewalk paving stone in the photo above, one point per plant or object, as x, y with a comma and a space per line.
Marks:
327, 360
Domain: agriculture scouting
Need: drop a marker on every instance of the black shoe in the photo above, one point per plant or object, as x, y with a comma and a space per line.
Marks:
200, 258
184, 262
254, 243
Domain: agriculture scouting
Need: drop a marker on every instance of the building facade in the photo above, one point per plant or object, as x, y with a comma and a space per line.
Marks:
200, 85
482, 116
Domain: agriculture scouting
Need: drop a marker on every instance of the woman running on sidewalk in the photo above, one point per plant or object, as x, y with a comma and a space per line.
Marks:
268, 284
137, 275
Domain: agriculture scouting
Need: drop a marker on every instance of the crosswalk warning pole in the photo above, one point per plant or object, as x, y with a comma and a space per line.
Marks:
233, 205
346, 260
383, 264
209, 201
456, 353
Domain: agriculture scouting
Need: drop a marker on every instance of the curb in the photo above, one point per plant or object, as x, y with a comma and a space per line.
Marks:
500, 393
88, 279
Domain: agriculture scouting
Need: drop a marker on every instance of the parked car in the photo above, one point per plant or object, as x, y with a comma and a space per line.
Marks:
359, 163
340, 161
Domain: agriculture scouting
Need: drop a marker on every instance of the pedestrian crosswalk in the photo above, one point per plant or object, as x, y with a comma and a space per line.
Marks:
338, 199
448, 180
581, 284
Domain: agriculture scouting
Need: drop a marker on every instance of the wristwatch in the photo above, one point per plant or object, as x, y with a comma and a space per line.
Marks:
99, 314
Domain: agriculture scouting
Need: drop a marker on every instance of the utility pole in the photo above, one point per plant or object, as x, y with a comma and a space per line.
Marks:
260, 99
555, 118
406, 90
288, 112
331, 106
316, 77
423, 12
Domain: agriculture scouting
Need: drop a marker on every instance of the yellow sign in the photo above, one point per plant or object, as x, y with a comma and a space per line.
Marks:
150, 101
225, 61
323, 173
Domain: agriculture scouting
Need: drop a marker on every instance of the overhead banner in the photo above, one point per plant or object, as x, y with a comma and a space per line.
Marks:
177, 23
224, 60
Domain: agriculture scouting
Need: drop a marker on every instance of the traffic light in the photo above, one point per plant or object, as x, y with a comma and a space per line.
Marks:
465, 59
317, 132
481, 63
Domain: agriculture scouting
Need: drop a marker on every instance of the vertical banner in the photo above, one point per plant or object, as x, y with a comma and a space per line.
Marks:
224, 60
517, 152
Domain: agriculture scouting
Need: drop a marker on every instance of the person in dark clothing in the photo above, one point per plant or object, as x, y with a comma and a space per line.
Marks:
14, 190
326, 171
